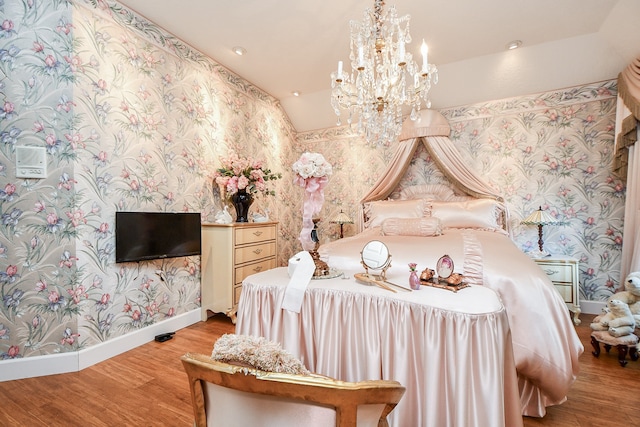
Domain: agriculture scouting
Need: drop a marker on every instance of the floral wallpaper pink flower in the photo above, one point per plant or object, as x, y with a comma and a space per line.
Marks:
133, 119
552, 149
555, 150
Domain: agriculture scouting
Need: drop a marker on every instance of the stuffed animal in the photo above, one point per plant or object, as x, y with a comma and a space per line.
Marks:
617, 319
635, 310
631, 294
601, 322
624, 323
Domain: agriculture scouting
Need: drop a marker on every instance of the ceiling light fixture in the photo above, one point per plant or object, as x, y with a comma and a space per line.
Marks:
514, 44
295, 93
383, 76
239, 50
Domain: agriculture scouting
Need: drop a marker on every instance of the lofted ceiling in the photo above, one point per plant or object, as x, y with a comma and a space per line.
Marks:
294, 45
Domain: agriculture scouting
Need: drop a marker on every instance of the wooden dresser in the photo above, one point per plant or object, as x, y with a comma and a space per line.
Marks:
231, 252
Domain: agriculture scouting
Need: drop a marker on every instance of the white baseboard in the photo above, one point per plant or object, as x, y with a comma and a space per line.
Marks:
592, 307
51, 364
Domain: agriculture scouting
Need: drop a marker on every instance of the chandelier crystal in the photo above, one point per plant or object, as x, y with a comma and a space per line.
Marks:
383, 78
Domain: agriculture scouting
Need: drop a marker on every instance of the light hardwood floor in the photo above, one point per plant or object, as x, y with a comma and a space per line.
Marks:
148, 387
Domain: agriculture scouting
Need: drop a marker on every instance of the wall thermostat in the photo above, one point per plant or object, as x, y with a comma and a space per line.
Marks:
31, 162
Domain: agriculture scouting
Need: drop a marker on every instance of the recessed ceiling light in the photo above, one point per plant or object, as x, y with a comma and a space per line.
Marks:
514, 44
295, 93
239, 50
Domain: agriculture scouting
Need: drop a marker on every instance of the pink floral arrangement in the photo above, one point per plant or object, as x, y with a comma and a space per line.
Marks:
412, 266
312, 173
244, 174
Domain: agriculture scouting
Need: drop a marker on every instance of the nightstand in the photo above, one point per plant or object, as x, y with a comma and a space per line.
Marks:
564, 274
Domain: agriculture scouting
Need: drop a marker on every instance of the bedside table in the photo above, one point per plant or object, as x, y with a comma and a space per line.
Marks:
564, 274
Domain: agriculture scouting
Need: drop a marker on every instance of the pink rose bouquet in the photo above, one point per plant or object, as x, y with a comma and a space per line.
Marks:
244, 174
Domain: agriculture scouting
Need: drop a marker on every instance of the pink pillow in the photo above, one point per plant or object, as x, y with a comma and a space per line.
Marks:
376, 212
424, 227
478, 213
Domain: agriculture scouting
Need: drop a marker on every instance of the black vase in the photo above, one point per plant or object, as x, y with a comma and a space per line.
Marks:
241, 201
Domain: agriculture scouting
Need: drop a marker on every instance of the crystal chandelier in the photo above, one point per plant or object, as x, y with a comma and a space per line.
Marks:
383, 78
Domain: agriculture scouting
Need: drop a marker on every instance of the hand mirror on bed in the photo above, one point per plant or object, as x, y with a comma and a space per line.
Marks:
375, 257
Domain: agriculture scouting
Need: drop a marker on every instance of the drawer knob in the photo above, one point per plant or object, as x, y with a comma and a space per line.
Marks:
257, 251
257, 233
258, 269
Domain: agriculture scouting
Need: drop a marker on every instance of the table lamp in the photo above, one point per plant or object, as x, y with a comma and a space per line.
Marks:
540, 218
342, 219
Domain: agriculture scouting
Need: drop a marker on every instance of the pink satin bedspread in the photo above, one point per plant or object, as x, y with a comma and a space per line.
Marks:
545, 344
452, 351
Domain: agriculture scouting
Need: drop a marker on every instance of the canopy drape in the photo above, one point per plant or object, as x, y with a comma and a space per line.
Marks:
432, 129
627, 165
629, 87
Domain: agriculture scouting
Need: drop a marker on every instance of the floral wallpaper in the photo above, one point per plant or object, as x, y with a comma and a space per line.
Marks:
552, 150
133, 119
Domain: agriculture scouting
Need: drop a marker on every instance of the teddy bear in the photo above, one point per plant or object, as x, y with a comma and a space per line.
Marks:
616, 319
631, 294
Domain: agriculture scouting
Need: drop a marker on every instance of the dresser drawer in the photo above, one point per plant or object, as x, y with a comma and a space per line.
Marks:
248, 270
255, 234
255, 252
558, 273
566, 291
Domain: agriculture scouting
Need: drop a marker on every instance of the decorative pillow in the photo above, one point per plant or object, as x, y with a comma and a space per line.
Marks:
424, 227
258, 353
376, 212
478, 213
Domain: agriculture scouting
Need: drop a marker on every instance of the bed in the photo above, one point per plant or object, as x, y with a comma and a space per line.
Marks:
429, 221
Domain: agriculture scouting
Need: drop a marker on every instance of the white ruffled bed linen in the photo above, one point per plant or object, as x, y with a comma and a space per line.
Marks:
545, 344
350, 331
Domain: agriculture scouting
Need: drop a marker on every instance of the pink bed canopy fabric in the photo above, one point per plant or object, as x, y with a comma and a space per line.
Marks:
627, 165
432, 128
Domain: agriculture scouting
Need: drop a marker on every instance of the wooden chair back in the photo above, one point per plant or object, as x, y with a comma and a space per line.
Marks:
226, 395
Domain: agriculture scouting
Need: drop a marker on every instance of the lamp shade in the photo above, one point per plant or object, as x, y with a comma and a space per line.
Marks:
539, 217
341, 218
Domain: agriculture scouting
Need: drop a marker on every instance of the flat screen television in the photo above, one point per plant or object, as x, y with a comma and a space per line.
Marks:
144, 236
